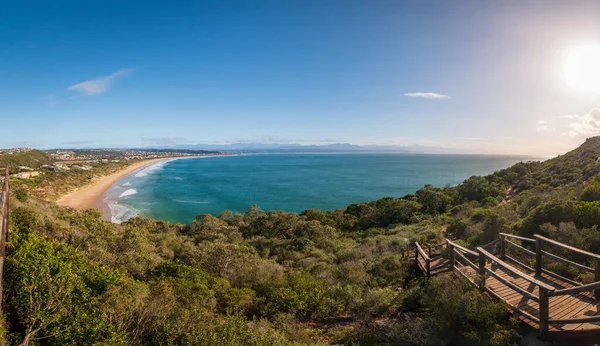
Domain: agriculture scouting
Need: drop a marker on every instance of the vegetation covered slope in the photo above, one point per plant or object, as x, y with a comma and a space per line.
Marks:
277, 278
33, 159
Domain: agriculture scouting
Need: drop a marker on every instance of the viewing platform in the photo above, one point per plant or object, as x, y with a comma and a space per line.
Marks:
506, 269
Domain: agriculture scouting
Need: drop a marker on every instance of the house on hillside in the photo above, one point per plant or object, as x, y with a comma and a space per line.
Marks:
25, 175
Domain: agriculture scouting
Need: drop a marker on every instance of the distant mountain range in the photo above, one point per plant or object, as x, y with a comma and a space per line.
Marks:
300, 148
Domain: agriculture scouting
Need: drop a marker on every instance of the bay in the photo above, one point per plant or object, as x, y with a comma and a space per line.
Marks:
179, 190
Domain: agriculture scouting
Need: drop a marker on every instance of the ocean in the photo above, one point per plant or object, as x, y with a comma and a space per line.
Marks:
178, 190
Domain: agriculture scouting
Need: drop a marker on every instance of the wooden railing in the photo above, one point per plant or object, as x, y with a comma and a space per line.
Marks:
540, 253
477, 266
420, 253
544, 290
428, 256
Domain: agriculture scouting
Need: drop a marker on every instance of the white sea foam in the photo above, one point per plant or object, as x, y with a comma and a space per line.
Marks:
188, 201
120, 213
151, 168
127, 184
128, 193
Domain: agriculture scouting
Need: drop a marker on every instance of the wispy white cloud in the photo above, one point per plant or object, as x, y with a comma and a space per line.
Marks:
585, 125
568, 116
99, 85
428, 95
543, 128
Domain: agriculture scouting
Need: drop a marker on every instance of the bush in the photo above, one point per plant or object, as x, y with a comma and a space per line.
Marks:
21, 195
465, 316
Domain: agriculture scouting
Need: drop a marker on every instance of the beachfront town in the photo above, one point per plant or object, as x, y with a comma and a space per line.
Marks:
61, 160
123, 154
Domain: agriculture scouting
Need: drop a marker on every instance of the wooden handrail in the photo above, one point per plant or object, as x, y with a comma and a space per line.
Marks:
515, 271
436, 245
456, 270
568, 247
462, 248
517, 237
554, 275
566, 261
421, 252
527, 251
426, 258
577, 289
444, 253
466, 260
513, 286
515, 308
491, 243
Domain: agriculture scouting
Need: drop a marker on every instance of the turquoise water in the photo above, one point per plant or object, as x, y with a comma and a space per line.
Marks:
181, 189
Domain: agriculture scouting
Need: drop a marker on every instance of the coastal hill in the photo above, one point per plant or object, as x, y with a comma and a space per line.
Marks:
279, 278
13, 158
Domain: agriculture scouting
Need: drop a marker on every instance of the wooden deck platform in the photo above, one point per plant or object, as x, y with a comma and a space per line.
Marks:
560, 308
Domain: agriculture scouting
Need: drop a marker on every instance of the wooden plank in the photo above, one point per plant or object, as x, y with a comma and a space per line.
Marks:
514, 270
576, 320
568, 247
513, 286
466, 260
516, 309
456, 270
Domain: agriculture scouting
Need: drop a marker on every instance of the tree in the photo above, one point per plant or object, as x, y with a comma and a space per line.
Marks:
433, 200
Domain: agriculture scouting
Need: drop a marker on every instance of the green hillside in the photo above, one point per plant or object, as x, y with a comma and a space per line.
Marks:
32, 158
278, 278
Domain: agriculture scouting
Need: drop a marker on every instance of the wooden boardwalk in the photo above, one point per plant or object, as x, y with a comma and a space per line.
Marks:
560, 308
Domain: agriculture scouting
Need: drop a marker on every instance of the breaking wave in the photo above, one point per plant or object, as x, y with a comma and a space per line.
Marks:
191, 201
120, 213
128, 193
151, 168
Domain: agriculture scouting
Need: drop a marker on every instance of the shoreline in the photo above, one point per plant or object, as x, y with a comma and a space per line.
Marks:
87, 197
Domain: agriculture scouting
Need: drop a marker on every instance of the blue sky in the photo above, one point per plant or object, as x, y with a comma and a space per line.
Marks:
476, 75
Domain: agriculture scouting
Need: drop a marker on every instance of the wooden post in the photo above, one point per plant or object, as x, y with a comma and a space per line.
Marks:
597, 277
544, 312
481, 272
428, 267
502, 247
451, 256
429, 251
416, 256
538, 256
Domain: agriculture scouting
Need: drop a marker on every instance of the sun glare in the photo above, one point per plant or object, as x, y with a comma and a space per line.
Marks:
582, 68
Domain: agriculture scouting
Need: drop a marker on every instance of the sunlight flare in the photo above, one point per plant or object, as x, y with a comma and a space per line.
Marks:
582, 68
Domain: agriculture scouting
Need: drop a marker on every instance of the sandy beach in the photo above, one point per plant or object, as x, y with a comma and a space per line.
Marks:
87, 196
